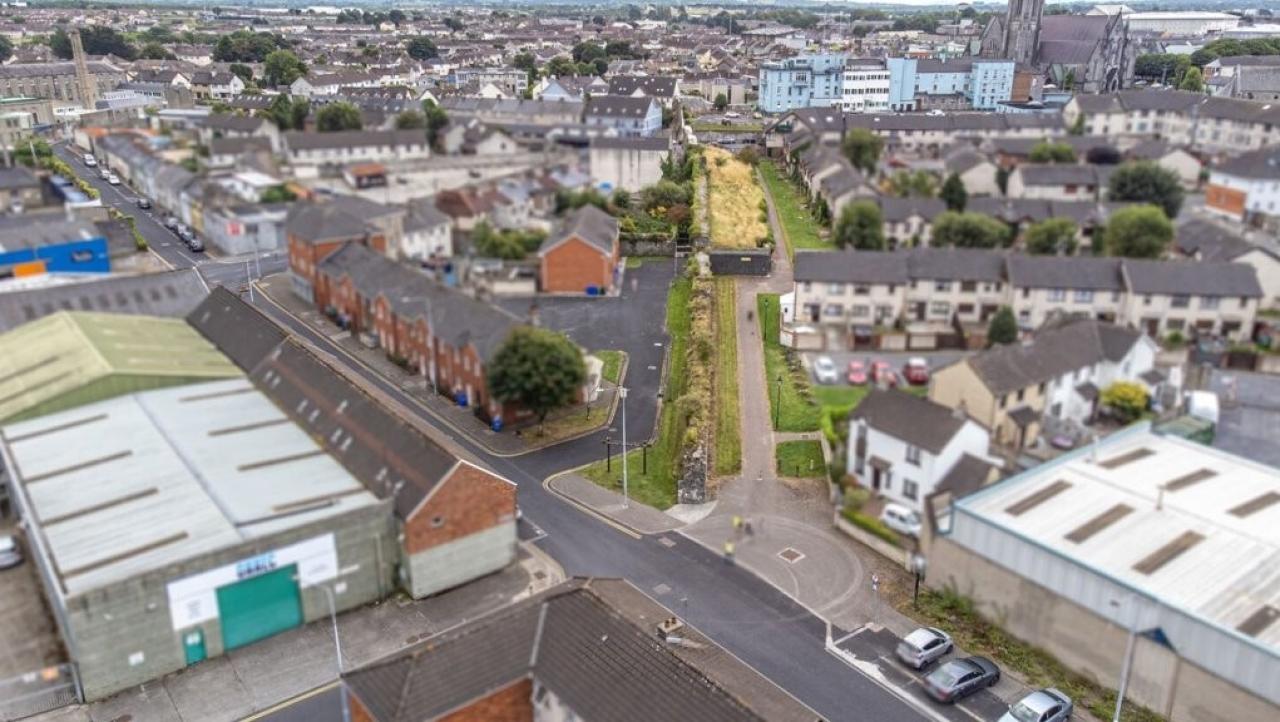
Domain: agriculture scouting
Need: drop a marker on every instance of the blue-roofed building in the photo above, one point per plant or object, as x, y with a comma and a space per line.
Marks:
31, 248
804, 81
960, 83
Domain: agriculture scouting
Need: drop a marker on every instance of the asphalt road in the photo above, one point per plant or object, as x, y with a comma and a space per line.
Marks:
741, 612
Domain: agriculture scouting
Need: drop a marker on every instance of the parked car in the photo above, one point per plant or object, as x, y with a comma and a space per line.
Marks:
104, 172
882, 374
184, 233
171, 222
857, 373
113, 179
824, 370
960, 678
144, 204
916, 371
195, 244
10, 552
901, 519
1045, 705
89, 160
923, 646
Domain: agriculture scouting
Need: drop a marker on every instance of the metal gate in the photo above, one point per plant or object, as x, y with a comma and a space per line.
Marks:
36, 692
258, 607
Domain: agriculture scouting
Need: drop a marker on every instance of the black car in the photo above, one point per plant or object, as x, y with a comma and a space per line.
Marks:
195, 244
960, 678
144, 204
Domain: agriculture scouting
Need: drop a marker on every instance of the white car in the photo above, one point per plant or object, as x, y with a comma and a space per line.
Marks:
733, 114
923, 646
113, 179
104, 172
90, 161
824, 370
901, 519
10, 552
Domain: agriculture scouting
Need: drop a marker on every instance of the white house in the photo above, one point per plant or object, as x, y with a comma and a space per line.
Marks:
905, 448
428, 232
1247, 187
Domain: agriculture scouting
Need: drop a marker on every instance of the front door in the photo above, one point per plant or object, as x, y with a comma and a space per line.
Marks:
193, 645
875, 478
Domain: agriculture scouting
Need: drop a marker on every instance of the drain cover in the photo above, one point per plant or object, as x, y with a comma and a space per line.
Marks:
661, 589
791, 555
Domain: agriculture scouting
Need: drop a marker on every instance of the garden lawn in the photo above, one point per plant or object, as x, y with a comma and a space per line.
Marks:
734, 201
797, 411
728, 458
732, 128
800, 459
799, 229
612, 360
657, 487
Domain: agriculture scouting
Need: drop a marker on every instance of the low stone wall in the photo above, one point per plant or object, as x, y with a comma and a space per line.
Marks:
897, 555
636, 244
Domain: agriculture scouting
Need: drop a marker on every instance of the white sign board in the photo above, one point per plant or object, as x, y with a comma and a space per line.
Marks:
194, 599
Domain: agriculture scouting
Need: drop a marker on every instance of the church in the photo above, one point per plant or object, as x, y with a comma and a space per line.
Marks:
1084, 53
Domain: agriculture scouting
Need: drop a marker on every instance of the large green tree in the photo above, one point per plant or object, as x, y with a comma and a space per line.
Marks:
411, 120
97, 40
968, 230
437, 120
246, 46
1138, 232
1052, 237
338, 116
538, 369
1046, 152
1192, 81
1145, 182
6, 48
561, 66
860, 226
421, 48
954, 194
1003, 328
862, 148
282, 67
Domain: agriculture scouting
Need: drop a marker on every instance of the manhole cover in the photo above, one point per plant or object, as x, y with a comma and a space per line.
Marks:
791, 555
661, 589
666, 542
539, 575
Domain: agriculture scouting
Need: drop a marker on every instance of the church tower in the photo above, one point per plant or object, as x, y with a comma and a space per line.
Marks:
88, 88
1022, 30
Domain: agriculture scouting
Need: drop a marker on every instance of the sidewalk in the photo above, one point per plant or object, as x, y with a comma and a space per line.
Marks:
460, 418
257, 677
637, 517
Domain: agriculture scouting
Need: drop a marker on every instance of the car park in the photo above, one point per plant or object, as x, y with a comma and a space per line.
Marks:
924, 646
1044, 705
901, 519
89, 160
916, 371
960, 678
857, 374
10, 552
824, 370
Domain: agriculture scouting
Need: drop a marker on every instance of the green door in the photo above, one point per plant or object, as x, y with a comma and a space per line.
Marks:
193, 644
258, 607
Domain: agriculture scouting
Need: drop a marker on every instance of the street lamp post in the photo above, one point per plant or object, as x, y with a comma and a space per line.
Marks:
777, 401
626, 498
1128, 656
337, 646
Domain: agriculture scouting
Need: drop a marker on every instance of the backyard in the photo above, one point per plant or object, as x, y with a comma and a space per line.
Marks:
735, 203
799, 229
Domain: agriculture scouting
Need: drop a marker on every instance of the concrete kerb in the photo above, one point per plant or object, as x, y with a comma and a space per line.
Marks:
549, 484
432, 412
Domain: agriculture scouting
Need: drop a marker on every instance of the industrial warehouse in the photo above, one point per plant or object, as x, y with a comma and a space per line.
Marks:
1150, 543
173, 521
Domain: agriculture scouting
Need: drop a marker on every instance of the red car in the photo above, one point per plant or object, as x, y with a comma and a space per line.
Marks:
916, 371
882, 373
857, 373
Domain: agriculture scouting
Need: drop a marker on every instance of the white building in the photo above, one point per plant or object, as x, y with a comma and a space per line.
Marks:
1247, 187
865, 86
628, 164
1194, 22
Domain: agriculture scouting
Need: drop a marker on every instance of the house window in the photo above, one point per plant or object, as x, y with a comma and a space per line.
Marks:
1084, 296
437, 522
1209, 303
835, 289
942, 286
1021, 394
1180, 300
1057, 295
1244, 302
968, 286
861, 290
861, 311
833, 309
913, 455
910, 489
1146, 300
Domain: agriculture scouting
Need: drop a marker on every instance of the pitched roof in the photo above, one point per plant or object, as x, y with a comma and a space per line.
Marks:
907, 417
1258, 164
1194, 278
655, 85
1054, 351
957, 264
896, 209
583, 643
170, 294
851, 267
1074, 272
588, 223
618, 106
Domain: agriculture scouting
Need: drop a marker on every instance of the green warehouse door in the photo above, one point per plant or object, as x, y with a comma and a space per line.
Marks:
258, 607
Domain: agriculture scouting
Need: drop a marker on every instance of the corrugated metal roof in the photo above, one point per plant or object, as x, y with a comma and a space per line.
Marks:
133, 484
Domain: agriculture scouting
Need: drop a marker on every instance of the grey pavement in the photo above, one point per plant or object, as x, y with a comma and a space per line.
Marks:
255, 678
28, 638
640, 518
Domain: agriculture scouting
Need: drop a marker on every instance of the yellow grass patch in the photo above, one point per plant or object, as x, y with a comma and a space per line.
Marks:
734, 203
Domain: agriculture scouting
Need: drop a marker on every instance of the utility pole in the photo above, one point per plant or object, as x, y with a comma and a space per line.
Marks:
626, 498
337, 646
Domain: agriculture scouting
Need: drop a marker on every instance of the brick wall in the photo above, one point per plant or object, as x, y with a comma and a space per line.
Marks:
1224, 199
510, 704
574, 265
469, 500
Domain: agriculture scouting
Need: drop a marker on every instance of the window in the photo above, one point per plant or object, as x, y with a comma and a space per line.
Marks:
968, 286
1057, 295
940, 308
833, 309
861, 290
1021, 394
1084, 296
1146, 300
835, 289
1209, 303
1180, 300
861, 311
913, 455
942, 286
910, 489
1244, 302
437, 522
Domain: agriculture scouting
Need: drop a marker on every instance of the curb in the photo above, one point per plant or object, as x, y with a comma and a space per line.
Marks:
620, 526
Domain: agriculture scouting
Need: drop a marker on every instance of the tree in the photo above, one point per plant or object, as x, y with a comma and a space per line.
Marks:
968, 230
154, 51
721, 102
1046, 152
6, 48
246, 46
1002, 179
1003, 328
538, 369
665, 194
1127, 400
1052, 237
1192, 81
22, 153
437, 119
954, 194
907, 184
1138, 232
282, 67
561, 66
97, 40
454, 24
422, 48
411, 120
1146, 182
338, 116
278, 194
587, 52
862, 148
860, 226
1077, 128
1103, 155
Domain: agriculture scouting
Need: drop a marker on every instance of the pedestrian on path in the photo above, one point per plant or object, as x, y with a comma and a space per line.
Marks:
728, 552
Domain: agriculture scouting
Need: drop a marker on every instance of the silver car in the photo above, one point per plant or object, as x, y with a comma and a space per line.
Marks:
923, 646
824, 370
10, 552
960, 678
1046, 705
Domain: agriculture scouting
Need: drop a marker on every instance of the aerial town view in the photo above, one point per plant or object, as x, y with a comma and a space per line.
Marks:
544, 361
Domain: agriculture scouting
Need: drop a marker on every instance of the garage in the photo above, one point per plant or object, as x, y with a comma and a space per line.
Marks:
258, 607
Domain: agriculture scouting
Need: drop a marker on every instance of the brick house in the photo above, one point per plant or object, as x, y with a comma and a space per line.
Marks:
582, 254
455, 519
313, 231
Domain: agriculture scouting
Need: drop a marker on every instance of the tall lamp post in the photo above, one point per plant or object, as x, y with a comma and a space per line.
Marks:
337, 646
777, 401
622, 393
1128, 655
